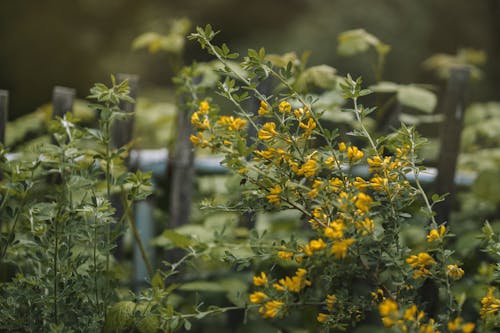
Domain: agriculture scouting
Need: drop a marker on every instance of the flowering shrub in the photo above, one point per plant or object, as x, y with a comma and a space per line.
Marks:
355, 263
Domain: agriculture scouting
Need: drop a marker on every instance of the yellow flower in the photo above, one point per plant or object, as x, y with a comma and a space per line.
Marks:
335, 230
309, 127
339, 249
199, 123
330, 301
342, 147
360, 183
366, 226
388, 308
285, 107
313, 193
489, 304
354, 154
295, 283
436, 234
421, 263
268, 131
260, 280
233, 124
322, 317
379, 183
454, 272
428, 328
264, 108
468, 327
308, 169
257, 297
271, 309
363, 202
285, 255
458, 325
335, 184
313, 246
410, 314
198, 140
204, 107
274, 194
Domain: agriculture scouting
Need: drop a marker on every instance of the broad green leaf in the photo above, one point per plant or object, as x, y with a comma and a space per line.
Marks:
357, 41
282, 60
179, 240
418, 98
203, 286
385, 87
322, 76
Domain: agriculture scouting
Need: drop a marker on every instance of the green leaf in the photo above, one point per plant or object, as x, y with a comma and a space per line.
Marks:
178, 239
416, 97
203, 286
157, 281
385, 87
357, 41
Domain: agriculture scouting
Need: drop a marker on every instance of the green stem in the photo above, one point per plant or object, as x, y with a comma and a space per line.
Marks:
56, 246
138, 240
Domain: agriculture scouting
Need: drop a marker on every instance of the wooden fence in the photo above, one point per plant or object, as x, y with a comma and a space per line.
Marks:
181, 165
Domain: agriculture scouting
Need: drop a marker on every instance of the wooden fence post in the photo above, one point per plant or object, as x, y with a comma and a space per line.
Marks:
122, 131
62, 101
181, 172
453, 110
4, 109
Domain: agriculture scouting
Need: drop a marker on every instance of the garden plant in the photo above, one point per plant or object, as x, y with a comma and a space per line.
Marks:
346, 265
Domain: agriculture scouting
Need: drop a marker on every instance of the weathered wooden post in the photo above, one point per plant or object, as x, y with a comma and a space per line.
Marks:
62, 101
122, 131
4, 105
4, 109
455, 102
181, 172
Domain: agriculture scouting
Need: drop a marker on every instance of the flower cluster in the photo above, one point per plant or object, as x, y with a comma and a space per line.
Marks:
274, 296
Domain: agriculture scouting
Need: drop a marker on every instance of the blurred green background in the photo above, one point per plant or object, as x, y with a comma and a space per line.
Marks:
78, 42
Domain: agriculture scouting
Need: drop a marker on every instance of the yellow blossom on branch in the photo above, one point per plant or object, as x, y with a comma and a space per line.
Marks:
339, 249
363, 202
260, 280
436, 234
354, 154
421, 264
309, 127
313, 246
335, 230
232, 123
263, 109
284, 107
454, 272
274, 194
330, 301
308, 169
489, 304
258, 297
365, 226
322, 317
204, 107
457, 325
271, 309
295, 283
268, 131
342, 147
285, 255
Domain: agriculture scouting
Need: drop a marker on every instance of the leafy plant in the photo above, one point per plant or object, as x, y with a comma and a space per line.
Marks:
61, 227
